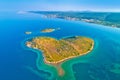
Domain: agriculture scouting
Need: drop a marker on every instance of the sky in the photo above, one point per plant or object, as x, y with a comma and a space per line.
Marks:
60, 5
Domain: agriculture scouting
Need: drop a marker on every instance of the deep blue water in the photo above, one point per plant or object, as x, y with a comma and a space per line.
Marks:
16, 63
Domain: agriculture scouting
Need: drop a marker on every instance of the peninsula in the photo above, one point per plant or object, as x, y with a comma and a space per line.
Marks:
56, 51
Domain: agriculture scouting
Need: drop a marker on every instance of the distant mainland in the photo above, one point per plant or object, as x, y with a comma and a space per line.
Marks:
110, 19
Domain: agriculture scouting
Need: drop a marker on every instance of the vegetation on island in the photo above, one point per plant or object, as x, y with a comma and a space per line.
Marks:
56, 51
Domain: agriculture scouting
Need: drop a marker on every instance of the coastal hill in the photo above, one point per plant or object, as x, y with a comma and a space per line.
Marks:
55, 51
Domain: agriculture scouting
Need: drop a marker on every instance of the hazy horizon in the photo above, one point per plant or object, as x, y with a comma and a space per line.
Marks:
59, 5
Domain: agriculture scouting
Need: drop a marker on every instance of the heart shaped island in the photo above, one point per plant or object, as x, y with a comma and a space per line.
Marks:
56, 51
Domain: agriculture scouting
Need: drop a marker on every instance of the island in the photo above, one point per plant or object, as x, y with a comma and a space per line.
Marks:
49, 30
28, 32
57, 51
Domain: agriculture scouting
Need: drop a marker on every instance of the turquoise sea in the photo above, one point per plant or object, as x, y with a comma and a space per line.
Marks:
17, 62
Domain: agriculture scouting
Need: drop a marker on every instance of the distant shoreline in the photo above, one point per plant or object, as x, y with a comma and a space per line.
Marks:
84, 16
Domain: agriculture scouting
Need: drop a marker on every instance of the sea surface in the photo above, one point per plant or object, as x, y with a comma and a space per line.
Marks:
17, 62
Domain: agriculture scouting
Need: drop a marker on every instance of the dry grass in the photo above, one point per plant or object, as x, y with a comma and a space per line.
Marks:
58, 50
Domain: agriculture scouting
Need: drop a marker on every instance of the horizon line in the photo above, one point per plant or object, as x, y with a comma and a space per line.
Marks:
71, 11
